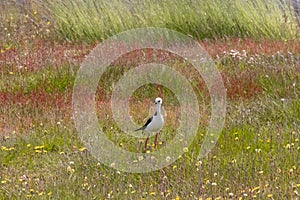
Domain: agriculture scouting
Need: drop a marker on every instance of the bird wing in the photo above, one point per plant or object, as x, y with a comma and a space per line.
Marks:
148, 122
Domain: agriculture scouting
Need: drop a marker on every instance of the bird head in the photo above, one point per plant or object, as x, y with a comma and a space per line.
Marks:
158, 100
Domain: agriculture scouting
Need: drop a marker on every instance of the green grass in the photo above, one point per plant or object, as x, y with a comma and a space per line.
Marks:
95, 20
256, 155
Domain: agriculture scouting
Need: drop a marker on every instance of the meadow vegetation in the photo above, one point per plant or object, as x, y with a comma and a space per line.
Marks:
255, 48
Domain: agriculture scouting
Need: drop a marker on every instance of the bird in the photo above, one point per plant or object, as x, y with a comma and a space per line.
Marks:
154, 123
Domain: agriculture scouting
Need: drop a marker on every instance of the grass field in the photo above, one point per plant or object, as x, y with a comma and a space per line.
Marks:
256, 156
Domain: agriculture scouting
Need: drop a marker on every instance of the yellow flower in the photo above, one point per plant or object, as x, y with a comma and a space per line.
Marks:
4, 148
270, 195
39, 147
256, 188
70, 169
41, 193
82, 149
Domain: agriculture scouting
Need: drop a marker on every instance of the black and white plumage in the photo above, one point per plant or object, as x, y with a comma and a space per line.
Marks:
155, 123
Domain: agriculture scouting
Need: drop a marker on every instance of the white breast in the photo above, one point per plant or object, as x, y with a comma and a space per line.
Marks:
156, 124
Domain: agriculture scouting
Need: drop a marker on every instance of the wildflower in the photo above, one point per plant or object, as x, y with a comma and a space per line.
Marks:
199, 163
82, 149
11, 73
39, 147
4, 148
41, 193
278, 170
257, 150
269, 195
152, 193
70, 169
168, 158
185, 149
141, 158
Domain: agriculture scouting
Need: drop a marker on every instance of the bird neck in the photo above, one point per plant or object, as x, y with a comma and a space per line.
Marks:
158, 109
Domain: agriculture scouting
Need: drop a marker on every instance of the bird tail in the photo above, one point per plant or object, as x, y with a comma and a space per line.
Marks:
142, 128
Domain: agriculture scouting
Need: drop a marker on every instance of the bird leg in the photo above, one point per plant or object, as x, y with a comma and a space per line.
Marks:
155, 141
146, 142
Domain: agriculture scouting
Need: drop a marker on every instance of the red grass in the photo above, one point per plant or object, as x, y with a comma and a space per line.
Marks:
39, 53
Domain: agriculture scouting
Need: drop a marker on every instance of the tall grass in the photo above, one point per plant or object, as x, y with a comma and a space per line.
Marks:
96, 20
